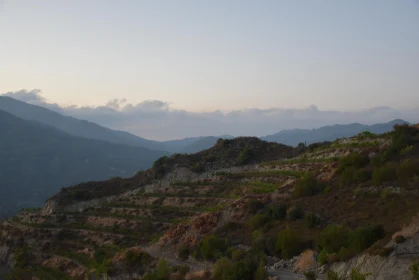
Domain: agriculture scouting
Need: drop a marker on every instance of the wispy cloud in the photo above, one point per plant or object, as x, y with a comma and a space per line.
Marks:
156, 119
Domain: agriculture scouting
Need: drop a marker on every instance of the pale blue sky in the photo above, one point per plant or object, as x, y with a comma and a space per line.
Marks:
206, 55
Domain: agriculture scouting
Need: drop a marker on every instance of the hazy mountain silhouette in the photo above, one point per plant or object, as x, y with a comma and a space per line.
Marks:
73, 126
37, 160
328, 133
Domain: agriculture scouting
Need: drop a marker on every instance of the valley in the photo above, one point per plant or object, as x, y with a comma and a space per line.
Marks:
239, 198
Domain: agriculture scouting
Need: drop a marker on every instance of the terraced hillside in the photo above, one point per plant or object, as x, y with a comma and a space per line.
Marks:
244, 209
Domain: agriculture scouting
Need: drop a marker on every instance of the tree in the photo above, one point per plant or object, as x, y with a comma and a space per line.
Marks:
225, 269
288, 243
163, 270
261, 273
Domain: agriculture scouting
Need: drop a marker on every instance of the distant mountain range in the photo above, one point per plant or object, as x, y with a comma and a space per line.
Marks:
42, 150
90, 130
36, 160
328, 133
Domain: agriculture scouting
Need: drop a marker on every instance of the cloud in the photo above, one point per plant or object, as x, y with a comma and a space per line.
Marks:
156, 119
26, 95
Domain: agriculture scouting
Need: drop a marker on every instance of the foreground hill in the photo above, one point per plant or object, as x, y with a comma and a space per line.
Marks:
244, 209
37, 160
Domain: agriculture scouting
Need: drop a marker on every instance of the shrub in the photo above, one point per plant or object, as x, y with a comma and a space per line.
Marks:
345, 254
288, 243
362, 238
258, 221
362, 175
386, 194
163, 270
308, 186
414, 268
357, 275
334, 237
399, 239
310, 275
246, 156
294, 213
21, 258
385, 173
254, 205
408, 170
213, 247
354, 160
261, 273
278, 212
198, 167
224, 269
132, 258
312, 220
331, 275
159, 167
322, 257
183, 252
350, 169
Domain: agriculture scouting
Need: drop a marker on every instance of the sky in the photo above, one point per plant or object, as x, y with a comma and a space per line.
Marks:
208, 55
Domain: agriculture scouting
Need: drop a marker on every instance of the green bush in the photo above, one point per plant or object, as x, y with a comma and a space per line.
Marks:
331, 275
308, 186
163, 270
322, 257
133, 258
159, 167
385, 173
310, 275
351, 169
258, 221
357, 275
312, 220
21, 257
408, 170
295, 213
278, 212
345, 254
224, 269
364, 237
249, 267
414, 268
213, 247
246, 156
334, 237
261, 273
288, 243
198, 167
354, 160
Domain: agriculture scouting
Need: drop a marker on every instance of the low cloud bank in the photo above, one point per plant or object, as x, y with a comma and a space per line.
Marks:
155, 119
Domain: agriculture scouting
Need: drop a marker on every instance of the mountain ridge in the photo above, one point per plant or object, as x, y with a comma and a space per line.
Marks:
50, 158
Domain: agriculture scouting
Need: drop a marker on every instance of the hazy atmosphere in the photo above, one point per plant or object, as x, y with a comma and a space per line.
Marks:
209, 139
204, 56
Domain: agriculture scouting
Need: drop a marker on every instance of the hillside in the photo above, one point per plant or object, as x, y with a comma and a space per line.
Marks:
37, 160
73, 126
328, 133
243, 209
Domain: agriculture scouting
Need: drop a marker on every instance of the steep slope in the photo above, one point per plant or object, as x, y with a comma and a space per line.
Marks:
328, 133
235, 208
75, 127
37, 160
